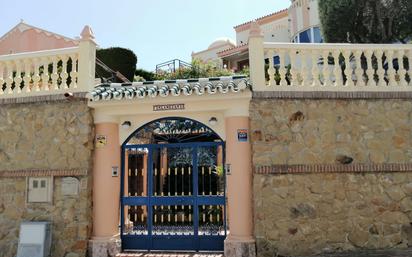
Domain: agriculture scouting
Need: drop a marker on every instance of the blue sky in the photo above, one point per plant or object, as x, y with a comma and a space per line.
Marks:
156, 30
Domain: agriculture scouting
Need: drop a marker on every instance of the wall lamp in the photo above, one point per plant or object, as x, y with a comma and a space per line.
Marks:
212, 121
126, 124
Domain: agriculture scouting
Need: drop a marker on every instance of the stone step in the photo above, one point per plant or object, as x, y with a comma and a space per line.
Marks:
168, 254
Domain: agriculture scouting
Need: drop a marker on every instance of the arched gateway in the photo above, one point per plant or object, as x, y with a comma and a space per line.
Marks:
173, 181
173, 187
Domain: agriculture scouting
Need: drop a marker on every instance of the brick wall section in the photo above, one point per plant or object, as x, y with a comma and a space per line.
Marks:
306, 201
46, 137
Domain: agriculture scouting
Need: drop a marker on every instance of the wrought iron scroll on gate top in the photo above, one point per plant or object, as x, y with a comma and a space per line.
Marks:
173, 188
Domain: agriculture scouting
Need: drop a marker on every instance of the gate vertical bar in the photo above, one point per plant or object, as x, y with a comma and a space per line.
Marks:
149, 182
224, 185
195, 195
122, 174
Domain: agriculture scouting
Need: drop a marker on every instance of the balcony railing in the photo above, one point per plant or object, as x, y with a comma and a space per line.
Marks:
53, 70
329, 67
49, 72
339, 67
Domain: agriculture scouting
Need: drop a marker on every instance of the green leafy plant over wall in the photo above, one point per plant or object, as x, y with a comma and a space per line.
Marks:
366, 21
199, 69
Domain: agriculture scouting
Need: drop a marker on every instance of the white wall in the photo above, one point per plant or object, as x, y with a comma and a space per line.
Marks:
210, 55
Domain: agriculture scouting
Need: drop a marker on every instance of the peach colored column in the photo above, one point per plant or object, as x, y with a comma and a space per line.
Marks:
105, 187
239, 182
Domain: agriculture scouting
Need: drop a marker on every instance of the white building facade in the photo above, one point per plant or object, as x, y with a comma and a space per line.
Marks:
299, 24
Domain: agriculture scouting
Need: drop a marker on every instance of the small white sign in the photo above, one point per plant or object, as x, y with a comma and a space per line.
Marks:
70, 186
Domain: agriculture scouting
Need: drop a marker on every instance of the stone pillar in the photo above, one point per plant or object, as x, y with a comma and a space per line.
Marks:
87, 60
257, 58
240, 241
106, 190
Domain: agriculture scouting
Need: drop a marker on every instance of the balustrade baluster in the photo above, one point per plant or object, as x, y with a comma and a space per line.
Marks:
1, 78
9, 79
304, 69
55, 74
380, 71
401, 69
359, 70
282, 68
45, 74
325, 70
348, 69
315, 69
410, 67
36, 76
73, 73
391, 70
271, 69
337, 70
18, 79
27, 75
370, 71
293, 71
64, 75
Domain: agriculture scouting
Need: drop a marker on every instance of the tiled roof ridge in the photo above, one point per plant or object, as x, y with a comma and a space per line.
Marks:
164, 88
261, 18
233, 48
38, 30
174, 81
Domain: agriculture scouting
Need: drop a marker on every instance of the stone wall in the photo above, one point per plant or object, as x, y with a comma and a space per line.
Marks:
317, 211
52, 138
316, 131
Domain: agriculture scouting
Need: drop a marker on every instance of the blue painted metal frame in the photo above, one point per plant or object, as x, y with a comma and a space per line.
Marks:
171, 242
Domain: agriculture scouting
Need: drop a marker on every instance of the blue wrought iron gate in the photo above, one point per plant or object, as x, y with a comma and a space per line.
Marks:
173, 196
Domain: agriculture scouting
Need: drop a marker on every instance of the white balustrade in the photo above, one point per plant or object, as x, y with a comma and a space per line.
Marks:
50, 72
36, 73
337, 67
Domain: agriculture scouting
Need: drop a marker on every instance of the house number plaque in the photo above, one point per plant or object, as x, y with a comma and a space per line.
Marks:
168, 107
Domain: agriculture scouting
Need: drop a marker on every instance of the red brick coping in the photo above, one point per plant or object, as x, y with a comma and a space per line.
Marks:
42, 98
43, 173
332, 168
331, 95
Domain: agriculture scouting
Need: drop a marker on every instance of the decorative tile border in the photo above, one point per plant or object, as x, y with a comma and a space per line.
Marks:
43, 173
331, 95
332, 168
43, 98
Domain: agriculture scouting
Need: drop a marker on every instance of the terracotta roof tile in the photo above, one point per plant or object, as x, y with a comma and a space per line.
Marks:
261, 18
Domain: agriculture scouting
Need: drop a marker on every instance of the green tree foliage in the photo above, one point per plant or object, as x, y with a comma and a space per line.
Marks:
117, 59
366, 21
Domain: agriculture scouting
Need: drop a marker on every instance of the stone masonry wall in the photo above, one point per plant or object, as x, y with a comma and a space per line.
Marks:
53, 138
310, 213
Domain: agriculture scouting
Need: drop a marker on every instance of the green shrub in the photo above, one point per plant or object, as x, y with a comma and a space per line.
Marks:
117, 59
144, 75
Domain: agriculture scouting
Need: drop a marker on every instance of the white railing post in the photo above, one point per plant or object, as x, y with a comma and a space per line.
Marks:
257, 58
87, 61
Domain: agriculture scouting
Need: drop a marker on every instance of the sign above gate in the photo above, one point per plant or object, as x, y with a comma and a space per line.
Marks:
168, 107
